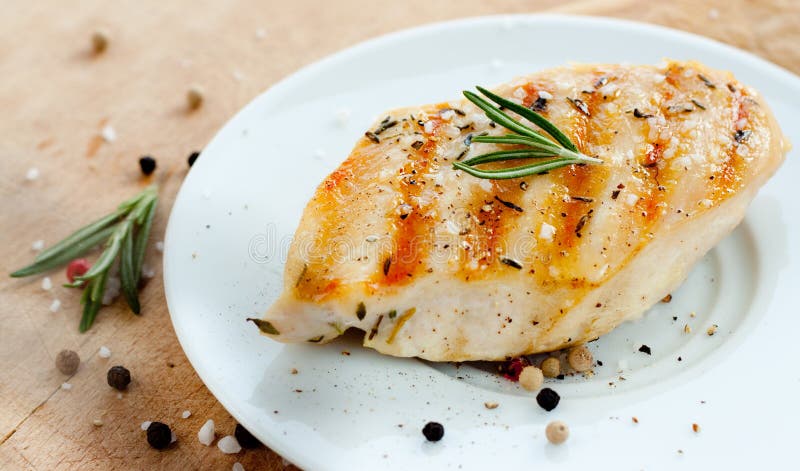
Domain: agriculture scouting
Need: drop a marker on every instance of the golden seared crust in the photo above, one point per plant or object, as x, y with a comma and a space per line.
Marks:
499, 268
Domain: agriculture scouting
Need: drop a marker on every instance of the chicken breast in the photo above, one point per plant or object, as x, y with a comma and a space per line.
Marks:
434, 263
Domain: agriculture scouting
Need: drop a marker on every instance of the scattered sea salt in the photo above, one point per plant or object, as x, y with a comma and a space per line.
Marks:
146, 424
229, 445
97, 422
37, 245
238, 466
173, 438
55, 305
113, 285
547, 231
148, 272
428, 127
66, 386
104, 352
160, 246
343, 116
261, 33
186, 414
448, 115
108, 133
32, 174
238, 76
119, 395
545, 95
631, 199
372, 238
713, 14
206, 433
46, 283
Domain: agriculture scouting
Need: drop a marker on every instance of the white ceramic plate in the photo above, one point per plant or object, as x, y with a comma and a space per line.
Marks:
232, 222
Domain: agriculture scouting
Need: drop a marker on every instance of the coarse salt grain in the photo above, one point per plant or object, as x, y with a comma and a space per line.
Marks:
261, 33
372, 238
46, 283
545, 95
448, 115
148, 272
108, 133
186, 414
160, 246
229, 445
104, 352
172, 437
119, 395
32, 174
97, 422
238, 76
112, 290
713, 14
66, 386
206, 433
37, 245
547, 231
343, 116
55, 305
238, 466
631, 199
146, 425
428, 127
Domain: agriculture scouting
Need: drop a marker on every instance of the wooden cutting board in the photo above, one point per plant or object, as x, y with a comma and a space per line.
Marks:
57, 98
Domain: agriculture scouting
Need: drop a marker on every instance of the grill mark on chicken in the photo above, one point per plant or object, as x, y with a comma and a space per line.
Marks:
413, 231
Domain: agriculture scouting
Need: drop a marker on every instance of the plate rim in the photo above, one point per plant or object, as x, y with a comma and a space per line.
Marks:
228, 401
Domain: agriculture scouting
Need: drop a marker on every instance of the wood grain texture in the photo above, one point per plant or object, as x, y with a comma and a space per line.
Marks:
56, 97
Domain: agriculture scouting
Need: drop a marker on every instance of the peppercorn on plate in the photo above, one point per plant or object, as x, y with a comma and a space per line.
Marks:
431, 261
253, 231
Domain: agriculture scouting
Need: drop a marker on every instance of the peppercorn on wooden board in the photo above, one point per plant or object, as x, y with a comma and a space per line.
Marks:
61, 98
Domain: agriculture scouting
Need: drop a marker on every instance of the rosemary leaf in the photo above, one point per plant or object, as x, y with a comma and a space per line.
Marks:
501, 118
105, 260
93, 300
504, 155
533, 117
142, 236
127, 273
512, 139
65, 254
81, 234
517, 172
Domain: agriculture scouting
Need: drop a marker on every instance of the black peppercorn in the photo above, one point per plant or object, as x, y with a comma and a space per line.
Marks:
245, 438
433, 431
147, 164
118, 377
645, 349
192, 157
159, 436
547, 399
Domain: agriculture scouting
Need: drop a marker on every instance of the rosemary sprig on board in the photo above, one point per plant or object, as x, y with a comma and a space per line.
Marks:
550, 153
125, 232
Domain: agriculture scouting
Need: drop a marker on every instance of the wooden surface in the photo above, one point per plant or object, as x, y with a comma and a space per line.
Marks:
56, 97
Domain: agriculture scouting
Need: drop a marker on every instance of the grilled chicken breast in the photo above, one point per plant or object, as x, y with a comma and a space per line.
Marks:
434, 263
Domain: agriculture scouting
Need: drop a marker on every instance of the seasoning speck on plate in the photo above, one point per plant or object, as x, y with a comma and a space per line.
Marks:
37, 245
245, 438
491, 405
531, 378
118, 377
695, 428
159, 435
55, 305
580, 358
548, 399
229, 445
67, 362
551, 367
712, 330
557, 432
433, 431
206, 433
47, 284
66, 386
147, 164
186, 414
645, 349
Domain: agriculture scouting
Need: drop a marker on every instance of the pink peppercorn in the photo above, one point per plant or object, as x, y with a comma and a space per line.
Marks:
512, 369
77, 267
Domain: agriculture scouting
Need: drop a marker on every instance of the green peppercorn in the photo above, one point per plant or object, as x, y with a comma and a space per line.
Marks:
118, 377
